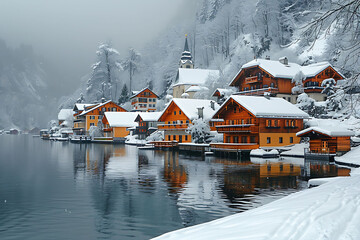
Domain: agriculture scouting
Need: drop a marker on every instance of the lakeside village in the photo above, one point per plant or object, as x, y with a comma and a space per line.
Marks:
260, 118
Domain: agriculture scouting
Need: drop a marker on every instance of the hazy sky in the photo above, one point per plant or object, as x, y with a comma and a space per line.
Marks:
67, 32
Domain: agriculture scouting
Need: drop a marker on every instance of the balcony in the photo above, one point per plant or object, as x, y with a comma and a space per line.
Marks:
254, 79
241, 128
259, 92
175, 126
313, 89
234, 146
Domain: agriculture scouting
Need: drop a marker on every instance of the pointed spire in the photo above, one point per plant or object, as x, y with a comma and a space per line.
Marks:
186, 47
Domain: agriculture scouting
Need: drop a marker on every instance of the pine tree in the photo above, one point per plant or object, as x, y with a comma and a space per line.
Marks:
124, 96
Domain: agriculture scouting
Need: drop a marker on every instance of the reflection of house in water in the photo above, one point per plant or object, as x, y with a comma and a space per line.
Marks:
279, 175
320, 169
174, 173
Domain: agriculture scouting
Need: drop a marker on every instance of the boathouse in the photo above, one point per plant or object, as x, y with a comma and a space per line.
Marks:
277, 78
250, 122
180, 113
327, 140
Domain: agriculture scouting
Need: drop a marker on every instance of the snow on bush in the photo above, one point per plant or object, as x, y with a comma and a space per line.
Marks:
156, 136
199, 130
95, 131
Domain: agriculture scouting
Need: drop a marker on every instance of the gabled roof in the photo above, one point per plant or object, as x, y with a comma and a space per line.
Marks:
148, 116
331, 131
272, 107
82, 106
223, 92
121, 119
280, 70
189, 76
65, 114
135, 93
97, 106
190, 107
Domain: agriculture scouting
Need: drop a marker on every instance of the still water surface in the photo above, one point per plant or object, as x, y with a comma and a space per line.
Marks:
59, 190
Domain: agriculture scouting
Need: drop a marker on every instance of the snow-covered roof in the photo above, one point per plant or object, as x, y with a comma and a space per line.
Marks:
280, 70
190, 107
188, 76
223, 91
65, 114
95, 107
268, 107
121, 119
331, 131
150, 116
82, 106
135, 93
196, 89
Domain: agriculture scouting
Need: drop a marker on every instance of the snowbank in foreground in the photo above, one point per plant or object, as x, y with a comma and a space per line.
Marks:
352, 157
330, 211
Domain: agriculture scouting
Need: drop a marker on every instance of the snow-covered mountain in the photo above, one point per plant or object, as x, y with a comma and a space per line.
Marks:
23, 88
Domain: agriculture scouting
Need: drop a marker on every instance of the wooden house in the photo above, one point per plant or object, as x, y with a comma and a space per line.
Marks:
250, 122
327, 140
116, 124
91, 115
264, 75
144, 101
147, 123
180, 113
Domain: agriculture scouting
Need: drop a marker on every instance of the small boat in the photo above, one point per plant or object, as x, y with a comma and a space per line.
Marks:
147, 147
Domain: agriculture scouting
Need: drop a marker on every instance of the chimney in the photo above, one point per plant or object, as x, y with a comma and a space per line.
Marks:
201, 112
212, 105
267, 57
284, 60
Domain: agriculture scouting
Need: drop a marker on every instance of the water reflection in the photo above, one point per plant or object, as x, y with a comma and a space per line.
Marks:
120, 192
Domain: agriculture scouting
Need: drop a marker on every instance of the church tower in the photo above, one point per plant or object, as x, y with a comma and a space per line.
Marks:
186, 58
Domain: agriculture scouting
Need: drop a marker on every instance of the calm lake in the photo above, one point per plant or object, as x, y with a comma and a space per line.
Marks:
60, 190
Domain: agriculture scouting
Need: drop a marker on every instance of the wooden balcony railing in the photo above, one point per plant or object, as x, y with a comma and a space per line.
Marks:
259, 92
237, 128
239, 146
173, 126
254, 79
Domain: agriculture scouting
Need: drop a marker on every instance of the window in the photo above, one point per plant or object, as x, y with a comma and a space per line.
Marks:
291, 139
244, 139
252, 139
234, 109
174, 122
92, 124
187, 121
174, 112
268, 123
289, 99
114, 109
109, 109
280, 140
169, 137
235, 139
186, 137
180, 112
276, 123
281, 168
228, 139
272, 84
268, 140
174, 137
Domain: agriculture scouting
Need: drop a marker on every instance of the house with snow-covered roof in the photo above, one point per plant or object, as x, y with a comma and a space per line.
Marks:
180, 113
147, 123
327, 139
280, 77
144, 100
116, 124
92, 115
250, 122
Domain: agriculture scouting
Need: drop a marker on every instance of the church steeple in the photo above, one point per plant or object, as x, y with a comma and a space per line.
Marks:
186, 58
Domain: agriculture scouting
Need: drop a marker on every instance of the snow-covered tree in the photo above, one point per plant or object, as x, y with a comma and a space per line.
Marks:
298, 80
132, 64
105, 74
199, 130
156, 136
310, 106
95, 131
80, 99
328, 85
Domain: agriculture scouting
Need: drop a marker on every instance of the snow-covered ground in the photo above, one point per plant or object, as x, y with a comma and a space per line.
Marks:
330, 211
352, 157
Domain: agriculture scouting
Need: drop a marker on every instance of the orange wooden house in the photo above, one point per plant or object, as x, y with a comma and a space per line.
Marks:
328, 140
117, 124
250, 122
144, 101
263, 75
180, 113
91, 115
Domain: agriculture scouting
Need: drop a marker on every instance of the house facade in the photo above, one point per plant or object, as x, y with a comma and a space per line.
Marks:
180, 113
92, 115
276, 77
116, 124
147, 124
250, 122
144, 101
